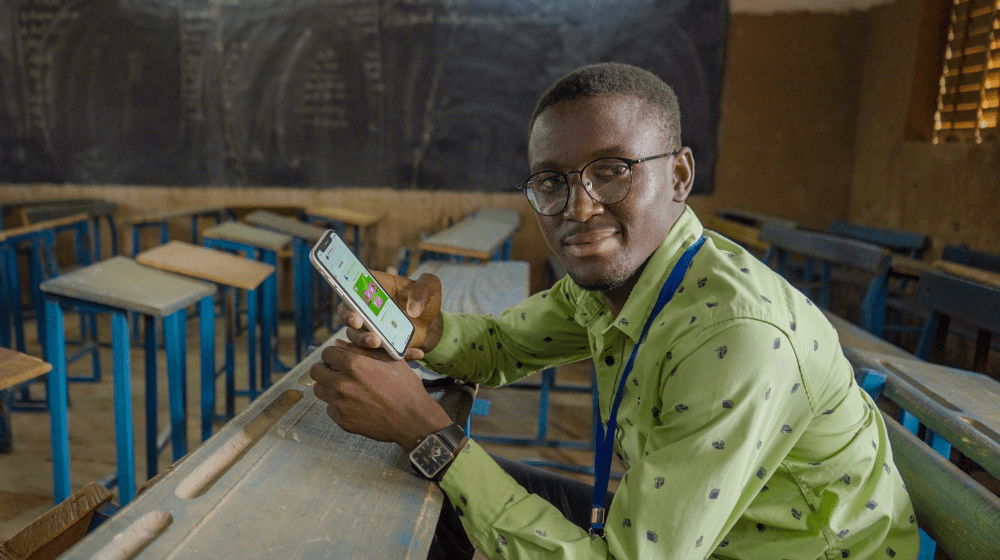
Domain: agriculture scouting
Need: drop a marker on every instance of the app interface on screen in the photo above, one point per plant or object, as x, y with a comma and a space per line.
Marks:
366, 293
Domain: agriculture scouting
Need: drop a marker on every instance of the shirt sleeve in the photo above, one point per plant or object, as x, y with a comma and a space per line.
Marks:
730, 424
537, 333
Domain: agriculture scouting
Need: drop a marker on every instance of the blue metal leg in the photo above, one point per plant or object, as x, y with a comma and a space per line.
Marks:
5, 298
58, 399
14, 287
230, 298
152, 449
123, 407
252, 323
206, 319
269, 323
172, 325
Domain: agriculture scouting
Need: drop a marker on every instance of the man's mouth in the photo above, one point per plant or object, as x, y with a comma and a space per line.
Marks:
589, 243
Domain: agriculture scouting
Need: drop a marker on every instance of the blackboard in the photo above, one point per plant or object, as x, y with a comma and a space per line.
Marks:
426, 94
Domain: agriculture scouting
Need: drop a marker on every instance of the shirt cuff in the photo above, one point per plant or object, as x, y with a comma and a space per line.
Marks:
478, 505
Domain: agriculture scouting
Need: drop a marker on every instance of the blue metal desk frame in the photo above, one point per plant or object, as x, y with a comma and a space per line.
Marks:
174, 337
268, 297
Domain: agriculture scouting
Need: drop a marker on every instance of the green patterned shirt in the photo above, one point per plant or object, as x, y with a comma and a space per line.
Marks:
741, 429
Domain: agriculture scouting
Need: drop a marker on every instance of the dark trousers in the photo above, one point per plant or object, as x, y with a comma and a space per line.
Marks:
570, 496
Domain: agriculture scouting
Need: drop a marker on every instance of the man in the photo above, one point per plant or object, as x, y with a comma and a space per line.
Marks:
740, 427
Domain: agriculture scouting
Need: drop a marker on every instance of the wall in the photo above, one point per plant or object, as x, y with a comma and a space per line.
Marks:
948, 191
795, 88
789, 111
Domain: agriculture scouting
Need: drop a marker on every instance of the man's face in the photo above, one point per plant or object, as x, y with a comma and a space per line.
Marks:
603, 246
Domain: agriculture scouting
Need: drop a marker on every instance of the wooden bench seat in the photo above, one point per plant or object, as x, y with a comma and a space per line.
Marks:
961, 515
58, 529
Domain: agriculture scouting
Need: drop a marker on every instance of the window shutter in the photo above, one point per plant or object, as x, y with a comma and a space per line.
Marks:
970, 80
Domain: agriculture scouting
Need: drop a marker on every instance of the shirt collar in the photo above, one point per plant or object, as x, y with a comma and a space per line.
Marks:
640, 302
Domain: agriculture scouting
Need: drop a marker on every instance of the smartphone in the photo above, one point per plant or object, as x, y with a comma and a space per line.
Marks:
356, 286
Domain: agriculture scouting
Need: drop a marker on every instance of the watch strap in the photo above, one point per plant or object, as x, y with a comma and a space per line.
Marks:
452, 435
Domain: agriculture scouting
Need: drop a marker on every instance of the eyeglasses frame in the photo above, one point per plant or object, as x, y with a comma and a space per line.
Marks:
628, 161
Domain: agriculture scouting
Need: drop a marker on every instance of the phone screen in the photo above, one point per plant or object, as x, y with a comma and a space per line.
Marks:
368, 296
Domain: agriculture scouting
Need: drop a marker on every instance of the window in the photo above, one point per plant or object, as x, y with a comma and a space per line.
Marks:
970, 81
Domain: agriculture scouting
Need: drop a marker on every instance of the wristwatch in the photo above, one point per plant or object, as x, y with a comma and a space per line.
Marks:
437, 450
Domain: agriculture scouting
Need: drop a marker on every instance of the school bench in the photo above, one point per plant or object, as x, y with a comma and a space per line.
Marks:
95, 209
927, 409
282, 480
59, 528
745, 235
974, 302
304, 237
856, 257
261, 245
16, 369
754, 219
229, 273
118, 286
482, 236
909, 243
338, 219
160, 220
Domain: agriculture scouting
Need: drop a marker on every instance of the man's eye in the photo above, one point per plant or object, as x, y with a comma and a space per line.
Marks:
610, 169
547, 182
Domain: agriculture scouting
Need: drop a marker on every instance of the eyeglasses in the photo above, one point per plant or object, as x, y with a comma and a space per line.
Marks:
606, 180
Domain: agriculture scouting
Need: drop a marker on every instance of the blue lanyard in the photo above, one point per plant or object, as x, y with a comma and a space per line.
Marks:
602, 457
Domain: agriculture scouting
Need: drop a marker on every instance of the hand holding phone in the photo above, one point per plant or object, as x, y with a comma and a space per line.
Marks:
420, 299
360, 291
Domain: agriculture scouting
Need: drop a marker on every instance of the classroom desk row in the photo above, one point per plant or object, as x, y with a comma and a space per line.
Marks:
335, 491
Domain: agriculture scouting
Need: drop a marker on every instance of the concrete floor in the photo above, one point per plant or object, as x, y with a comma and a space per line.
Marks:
26, 487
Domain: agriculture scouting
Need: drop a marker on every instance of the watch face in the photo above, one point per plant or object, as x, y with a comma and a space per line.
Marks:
431, 456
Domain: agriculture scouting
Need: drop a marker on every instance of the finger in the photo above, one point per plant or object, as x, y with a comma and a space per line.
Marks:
422, 291
413, 354
374, 354
364, 339
349, 316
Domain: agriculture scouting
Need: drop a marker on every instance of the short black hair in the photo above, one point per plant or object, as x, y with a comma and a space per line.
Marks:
616, 78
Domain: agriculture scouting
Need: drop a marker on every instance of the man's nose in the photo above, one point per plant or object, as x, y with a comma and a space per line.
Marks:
580, 206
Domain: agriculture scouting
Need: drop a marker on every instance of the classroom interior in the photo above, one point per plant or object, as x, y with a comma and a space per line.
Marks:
827, 114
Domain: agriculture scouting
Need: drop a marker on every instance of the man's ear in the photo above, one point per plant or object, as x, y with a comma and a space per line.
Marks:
683, 174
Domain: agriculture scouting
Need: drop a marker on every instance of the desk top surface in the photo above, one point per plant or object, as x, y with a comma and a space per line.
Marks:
93, 208
958, 404
6, 234
16, 367
486, 288
346, 216
986, 277
122, 283
249, 235
473, 237
207, 264
281, 480
284, 224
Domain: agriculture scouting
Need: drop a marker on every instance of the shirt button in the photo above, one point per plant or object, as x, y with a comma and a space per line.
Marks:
609, 360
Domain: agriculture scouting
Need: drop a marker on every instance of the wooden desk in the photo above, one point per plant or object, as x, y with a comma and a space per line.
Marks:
961, 406
754, 219
228, 271
39, 241
986, 277
160, 219
95, 209
473, 238
339, 218
304, 237
15, 368
118, 286
482, 289
281, 480
262, 245
747, 236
